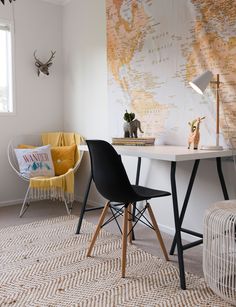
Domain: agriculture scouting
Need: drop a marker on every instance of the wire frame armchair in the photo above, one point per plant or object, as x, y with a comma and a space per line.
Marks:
36, 141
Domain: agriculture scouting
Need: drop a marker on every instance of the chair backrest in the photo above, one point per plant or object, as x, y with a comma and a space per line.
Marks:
108, 172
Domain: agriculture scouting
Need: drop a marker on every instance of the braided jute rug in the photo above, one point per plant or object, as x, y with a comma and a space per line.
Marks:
44, 264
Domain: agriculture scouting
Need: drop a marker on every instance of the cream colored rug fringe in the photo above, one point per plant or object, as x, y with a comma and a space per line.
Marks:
44, 264
53, 193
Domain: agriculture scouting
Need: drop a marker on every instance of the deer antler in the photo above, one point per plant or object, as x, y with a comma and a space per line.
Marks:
52, 56
3, 1
37, 60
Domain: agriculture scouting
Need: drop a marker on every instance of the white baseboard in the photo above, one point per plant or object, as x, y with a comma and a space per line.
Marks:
89, 202
20, 201
11, 202
162, 227
171, 231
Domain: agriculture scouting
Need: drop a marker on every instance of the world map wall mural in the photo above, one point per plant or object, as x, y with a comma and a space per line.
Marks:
154, 48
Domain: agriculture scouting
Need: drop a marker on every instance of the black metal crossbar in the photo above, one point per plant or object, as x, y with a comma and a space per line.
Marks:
118, 225
114, 216
191, 232
148, 224
192, 244
116, 212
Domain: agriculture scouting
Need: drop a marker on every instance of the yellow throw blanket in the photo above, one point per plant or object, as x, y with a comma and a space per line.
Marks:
58, 187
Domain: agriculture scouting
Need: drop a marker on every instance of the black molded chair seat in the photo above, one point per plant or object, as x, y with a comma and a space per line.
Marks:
147, 193
136, 193
112, 183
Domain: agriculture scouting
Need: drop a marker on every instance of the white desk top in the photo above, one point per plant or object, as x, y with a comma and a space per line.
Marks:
168, 153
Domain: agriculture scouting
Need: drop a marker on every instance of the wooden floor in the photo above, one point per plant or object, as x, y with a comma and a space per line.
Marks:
145, 237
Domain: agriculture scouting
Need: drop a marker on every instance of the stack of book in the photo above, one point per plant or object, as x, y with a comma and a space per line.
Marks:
133, 141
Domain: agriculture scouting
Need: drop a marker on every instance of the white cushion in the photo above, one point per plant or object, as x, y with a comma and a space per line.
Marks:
35, 162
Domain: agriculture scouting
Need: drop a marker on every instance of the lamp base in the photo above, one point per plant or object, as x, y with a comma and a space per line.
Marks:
211, 147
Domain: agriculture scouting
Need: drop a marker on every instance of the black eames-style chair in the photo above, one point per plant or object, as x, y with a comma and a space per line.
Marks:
112, 183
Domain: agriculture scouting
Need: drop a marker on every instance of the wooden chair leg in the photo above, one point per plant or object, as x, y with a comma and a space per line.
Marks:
130, 224
96, 233
157, 231
124, 242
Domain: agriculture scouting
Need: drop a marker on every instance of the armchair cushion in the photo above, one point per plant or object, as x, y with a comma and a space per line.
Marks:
63, 158
34, 162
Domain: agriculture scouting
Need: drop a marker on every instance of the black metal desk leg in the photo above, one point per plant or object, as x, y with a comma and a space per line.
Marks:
186, 199
221, 177
84, 205
177, 226
136, 182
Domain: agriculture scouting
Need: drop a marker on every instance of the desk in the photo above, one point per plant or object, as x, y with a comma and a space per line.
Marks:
173, 154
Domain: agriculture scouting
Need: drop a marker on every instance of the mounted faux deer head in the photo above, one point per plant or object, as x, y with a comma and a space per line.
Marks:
44, 67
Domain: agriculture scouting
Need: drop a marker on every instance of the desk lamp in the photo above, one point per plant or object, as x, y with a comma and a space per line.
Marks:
199, 84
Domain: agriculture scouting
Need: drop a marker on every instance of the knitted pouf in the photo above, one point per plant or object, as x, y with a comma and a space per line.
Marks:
219, 249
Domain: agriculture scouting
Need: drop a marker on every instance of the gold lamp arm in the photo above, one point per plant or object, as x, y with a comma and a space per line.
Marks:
217, 83
217, 104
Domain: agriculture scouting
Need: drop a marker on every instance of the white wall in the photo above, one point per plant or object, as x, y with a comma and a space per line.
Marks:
86, 110
84, 33
85, 85
39, 101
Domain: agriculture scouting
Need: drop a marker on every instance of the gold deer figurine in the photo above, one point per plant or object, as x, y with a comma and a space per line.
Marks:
194, 137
